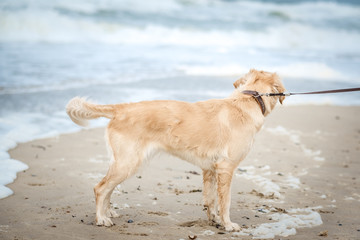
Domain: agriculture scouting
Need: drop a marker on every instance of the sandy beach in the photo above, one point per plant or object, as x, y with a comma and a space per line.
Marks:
304, 168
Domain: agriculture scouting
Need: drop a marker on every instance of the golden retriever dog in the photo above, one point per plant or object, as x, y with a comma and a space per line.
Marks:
215, 135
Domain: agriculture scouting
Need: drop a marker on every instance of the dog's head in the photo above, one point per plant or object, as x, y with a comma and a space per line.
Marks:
262, 82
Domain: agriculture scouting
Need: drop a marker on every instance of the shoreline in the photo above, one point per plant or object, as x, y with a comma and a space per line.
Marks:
54, 197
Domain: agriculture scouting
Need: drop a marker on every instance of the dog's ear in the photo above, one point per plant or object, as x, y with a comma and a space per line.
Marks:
280, 89
239, 82
281, 99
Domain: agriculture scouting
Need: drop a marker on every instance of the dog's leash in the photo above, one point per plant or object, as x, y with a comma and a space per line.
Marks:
258, 96
317, 92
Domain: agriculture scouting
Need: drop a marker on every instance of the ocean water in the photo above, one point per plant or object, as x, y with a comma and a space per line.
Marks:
133, 50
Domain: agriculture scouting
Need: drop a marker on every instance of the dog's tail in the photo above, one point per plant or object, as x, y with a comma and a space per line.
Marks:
80, 111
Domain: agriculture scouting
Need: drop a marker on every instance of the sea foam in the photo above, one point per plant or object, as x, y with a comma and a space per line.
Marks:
23, 127
8, 170
284, 224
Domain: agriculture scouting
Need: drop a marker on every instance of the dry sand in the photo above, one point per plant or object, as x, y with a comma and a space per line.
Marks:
318, 145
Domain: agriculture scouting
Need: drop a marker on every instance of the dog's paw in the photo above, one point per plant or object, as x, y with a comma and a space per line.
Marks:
104, 221
232, 227
215, 221
112, 213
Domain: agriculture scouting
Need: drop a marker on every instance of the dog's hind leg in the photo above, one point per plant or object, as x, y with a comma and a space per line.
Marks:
118, 172
122, 167
224, 174
102, 190
209, 195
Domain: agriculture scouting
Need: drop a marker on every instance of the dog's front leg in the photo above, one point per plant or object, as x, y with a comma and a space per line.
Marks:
224, 173
209, 195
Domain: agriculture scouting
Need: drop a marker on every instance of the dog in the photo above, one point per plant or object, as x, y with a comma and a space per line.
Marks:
215, 135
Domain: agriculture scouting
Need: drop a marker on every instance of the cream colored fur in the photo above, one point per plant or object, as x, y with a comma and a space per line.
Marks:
215, 135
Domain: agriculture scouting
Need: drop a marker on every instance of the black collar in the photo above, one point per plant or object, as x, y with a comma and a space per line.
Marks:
258, 99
